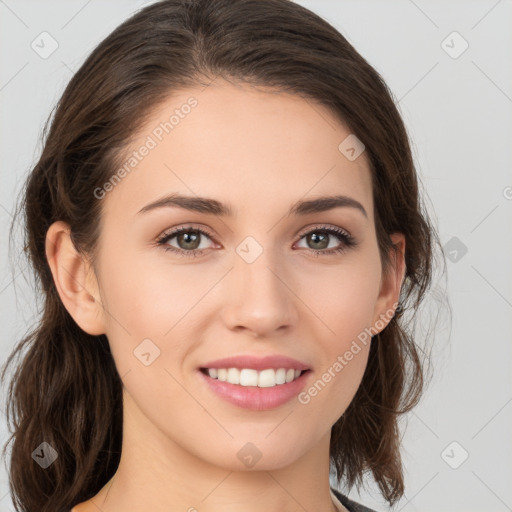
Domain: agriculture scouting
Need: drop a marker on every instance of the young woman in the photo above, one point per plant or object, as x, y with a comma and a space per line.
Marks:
226, 225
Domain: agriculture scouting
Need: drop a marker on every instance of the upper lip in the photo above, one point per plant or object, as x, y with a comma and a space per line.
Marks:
257, 363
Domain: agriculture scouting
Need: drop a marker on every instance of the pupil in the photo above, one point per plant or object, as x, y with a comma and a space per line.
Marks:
186, 238
323, 243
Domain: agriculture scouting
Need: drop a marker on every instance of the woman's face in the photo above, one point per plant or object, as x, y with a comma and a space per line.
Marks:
264, 280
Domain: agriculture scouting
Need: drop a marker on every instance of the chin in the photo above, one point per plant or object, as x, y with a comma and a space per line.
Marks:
260, 454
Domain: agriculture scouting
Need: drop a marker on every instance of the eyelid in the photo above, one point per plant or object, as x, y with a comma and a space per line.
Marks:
184, 227
321, 227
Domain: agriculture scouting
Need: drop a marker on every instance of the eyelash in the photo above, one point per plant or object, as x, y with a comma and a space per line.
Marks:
347, 240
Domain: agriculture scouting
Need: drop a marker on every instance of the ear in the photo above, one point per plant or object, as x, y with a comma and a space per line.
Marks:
74, 279
391, 283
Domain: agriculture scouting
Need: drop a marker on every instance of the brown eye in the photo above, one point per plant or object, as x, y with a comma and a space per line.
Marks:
318, 240
188, 241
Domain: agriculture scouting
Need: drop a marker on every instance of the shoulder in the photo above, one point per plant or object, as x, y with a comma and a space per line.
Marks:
352, 506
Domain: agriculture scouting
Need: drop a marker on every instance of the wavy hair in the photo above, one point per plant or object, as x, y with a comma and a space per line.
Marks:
65, 388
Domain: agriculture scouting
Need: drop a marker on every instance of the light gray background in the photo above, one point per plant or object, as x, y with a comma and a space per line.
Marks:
459, 115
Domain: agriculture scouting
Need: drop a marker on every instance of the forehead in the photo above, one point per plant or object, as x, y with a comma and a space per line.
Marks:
249, 147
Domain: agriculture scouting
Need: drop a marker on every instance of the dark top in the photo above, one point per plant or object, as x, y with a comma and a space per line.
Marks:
350, 505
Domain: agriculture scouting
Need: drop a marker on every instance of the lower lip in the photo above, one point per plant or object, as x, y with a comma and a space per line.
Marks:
253, 397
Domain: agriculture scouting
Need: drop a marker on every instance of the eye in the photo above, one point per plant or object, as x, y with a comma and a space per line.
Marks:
319, 238
188, 240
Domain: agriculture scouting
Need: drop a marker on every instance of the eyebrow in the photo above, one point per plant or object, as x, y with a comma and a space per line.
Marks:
214, 207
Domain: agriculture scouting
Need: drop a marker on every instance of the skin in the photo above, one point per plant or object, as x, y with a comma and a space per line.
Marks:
261, 151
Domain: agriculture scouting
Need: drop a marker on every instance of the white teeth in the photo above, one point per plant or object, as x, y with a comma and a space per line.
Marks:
233, 376
281, 376
248, 377
267, 379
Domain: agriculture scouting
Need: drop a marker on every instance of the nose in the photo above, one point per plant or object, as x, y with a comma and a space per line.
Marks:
259, 297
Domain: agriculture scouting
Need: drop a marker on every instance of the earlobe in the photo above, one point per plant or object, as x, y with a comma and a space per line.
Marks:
391, 283
74, 279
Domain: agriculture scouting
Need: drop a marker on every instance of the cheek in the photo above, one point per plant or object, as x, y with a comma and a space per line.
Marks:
345, 302
345, 298
148, 298
334, 384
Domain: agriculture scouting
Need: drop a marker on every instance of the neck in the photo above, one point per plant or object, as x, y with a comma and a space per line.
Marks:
157, 474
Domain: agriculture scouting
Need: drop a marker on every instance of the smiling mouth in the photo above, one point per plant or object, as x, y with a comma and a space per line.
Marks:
247, 377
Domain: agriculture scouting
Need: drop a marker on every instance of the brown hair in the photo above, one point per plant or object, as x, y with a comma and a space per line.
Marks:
66, 389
